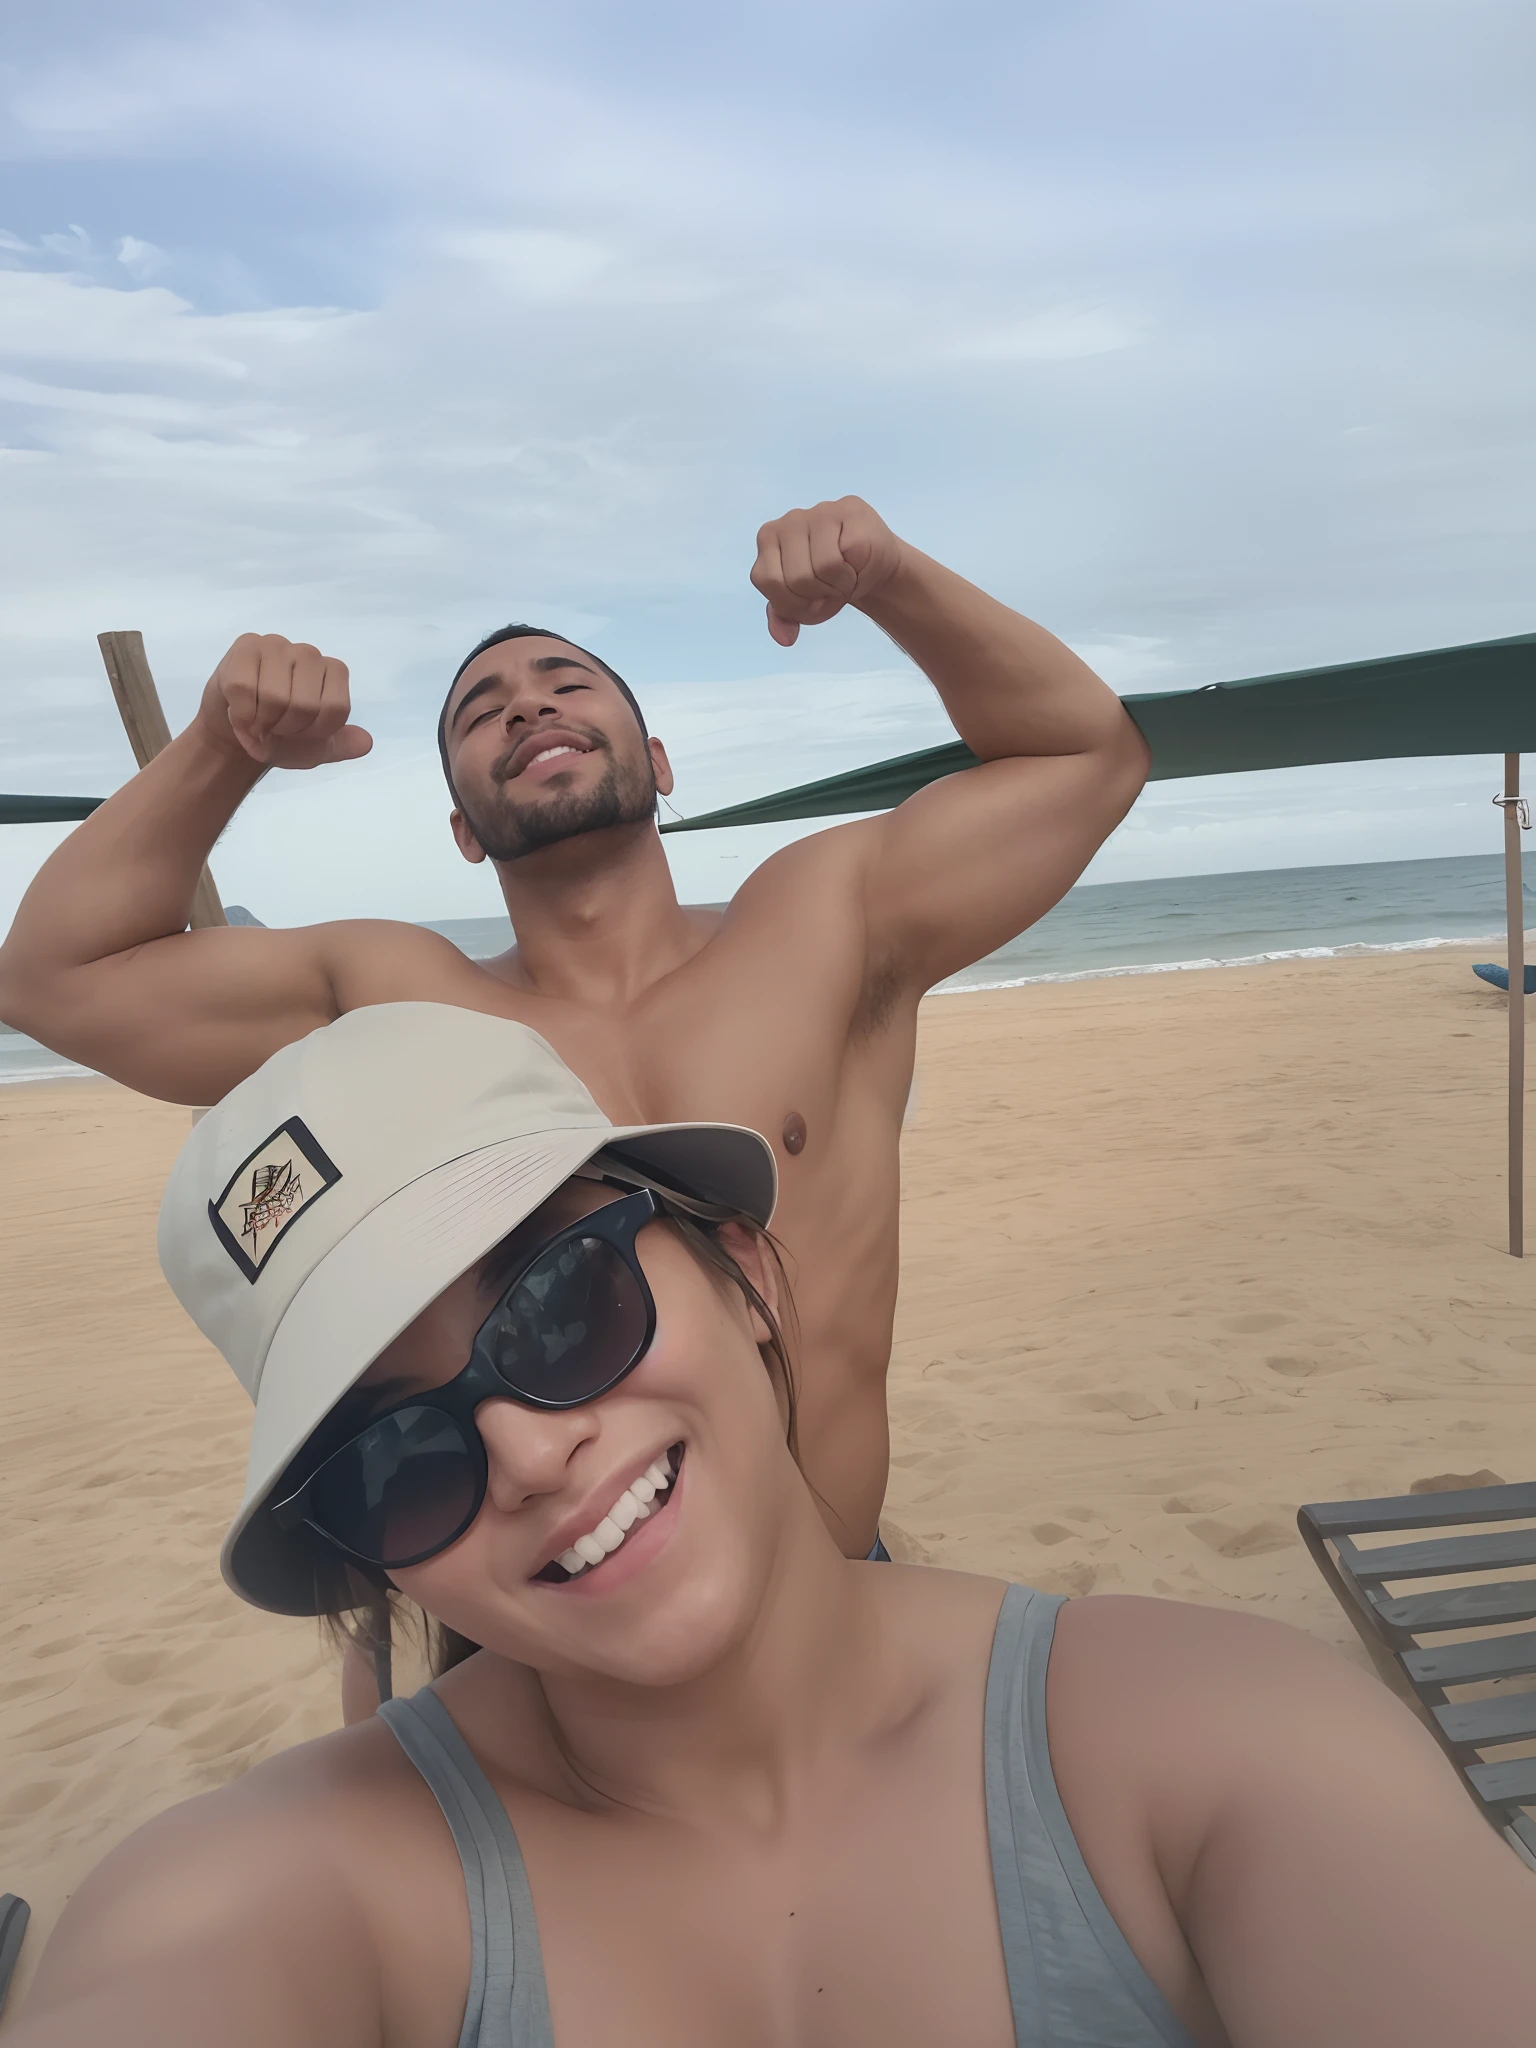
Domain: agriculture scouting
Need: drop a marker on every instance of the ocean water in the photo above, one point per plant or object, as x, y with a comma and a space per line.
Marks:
1155, 927
1271, 914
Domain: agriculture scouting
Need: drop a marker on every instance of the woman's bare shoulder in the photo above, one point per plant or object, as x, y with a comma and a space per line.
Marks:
281, 1865
1286, 1803
1178, 1643
324, 1800
1180, 1712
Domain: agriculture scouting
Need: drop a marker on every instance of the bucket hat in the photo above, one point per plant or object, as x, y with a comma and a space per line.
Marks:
319, 1208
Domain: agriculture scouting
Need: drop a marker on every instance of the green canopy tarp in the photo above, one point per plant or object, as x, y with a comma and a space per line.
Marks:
47, 810
1479, 699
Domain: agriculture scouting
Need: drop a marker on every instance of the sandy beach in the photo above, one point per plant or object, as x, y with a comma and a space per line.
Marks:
1180, 1252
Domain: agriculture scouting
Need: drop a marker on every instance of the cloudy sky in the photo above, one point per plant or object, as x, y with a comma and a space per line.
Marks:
1200, 332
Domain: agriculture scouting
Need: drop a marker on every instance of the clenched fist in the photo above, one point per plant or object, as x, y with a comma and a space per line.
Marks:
283, 703
810, 564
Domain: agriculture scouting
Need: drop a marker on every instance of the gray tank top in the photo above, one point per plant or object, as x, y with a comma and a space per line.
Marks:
1072, 1976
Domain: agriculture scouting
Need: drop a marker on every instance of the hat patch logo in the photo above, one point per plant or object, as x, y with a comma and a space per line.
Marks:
268, 1192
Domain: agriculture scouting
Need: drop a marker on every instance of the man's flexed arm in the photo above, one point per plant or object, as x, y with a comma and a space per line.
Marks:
970, 861
99, 964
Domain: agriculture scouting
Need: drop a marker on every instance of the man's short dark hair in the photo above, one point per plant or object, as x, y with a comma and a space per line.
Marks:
525, 633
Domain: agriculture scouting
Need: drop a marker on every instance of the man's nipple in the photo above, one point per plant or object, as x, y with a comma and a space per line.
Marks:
794, 1133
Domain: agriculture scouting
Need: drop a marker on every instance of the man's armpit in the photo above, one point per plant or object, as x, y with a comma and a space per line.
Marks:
384, 960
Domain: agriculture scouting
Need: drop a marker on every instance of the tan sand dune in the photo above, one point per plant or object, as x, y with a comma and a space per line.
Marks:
1180, 1252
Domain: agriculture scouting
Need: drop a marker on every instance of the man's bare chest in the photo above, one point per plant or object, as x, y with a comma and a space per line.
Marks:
715, 1043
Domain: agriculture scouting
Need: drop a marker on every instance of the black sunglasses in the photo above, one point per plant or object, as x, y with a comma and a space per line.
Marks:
577, 1318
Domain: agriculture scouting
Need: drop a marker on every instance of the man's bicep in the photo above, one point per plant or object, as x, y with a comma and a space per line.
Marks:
186, 1017
971, 861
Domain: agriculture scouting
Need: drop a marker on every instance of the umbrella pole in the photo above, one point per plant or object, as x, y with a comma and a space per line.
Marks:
1514, 900
138, 704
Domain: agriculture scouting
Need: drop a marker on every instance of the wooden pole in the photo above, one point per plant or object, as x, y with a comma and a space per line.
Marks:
138, 704
1514, 903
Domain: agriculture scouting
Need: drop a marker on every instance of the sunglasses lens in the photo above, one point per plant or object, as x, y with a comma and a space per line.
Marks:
575, 1323
407, 1486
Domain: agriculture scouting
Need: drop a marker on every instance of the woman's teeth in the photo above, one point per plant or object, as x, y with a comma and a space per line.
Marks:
633, 1505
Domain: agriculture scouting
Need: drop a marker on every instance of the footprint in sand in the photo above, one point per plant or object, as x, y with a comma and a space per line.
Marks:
1077, 1579
1253, 1539
21, 1688
192, 1706
1196, 1503
98, 1478
132, 1667
1308, 1368
22, 1801
1455, 1482
1050, 1532
61, 1648
1126, 1401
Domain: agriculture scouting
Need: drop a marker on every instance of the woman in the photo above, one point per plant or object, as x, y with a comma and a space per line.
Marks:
707, 1782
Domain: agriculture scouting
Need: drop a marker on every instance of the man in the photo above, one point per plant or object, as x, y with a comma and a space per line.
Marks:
793, 1011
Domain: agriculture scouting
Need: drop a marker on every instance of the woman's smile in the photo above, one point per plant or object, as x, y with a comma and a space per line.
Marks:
644, 1498
627, 1539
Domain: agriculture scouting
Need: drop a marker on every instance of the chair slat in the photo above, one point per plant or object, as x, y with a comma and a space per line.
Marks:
1423, 1510
1469, 1663
14, 1915
1458, 1607
1486, 1550
1512, 1783
1479, 1723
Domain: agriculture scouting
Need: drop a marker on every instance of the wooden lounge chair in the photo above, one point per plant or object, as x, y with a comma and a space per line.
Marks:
14, 1915
1472, 1626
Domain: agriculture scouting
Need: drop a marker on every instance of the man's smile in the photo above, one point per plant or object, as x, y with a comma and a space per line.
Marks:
542, 752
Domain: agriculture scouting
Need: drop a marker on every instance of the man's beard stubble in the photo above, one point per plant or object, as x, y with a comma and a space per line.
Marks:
510, 830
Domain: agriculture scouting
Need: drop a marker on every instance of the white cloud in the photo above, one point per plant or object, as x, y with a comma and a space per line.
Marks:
66, 318
1058, 334
139, 258
73, 242
537, 263
493, 318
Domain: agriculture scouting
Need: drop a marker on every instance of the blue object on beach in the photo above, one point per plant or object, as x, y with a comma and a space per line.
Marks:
1499, 976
